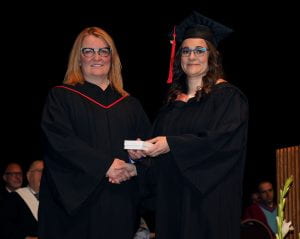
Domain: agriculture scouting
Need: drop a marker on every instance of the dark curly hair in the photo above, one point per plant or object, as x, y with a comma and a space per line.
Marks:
215, 72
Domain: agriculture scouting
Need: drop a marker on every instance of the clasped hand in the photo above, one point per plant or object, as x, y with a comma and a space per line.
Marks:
120, 171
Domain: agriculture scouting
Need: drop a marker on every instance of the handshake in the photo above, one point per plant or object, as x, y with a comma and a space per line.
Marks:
120, 171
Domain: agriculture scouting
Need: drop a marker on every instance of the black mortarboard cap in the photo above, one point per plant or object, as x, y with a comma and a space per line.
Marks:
196, 26
199, 26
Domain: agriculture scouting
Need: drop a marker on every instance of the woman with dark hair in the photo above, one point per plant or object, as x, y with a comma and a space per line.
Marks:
88, 188
199, 142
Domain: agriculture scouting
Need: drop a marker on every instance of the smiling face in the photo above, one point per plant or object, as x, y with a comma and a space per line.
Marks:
13, 176
194, 65
95, 66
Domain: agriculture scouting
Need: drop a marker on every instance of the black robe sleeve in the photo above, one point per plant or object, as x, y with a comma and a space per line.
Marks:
206, 157
74, 167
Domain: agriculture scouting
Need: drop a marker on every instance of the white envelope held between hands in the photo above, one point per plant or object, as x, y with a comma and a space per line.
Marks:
137, 144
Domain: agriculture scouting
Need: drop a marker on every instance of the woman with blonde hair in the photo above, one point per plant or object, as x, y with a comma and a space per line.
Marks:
89, 188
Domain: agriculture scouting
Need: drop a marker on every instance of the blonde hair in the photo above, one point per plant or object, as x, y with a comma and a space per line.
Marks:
74, 74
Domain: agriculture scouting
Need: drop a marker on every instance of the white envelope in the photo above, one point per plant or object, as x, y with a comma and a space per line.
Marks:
137, 144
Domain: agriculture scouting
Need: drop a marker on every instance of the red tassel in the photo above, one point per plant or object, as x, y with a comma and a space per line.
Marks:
172, 57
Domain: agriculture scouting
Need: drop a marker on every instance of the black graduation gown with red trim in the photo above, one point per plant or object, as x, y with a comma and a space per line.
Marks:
199, 185
81, 141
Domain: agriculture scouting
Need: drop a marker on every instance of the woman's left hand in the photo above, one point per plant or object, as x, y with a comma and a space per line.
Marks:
160, 146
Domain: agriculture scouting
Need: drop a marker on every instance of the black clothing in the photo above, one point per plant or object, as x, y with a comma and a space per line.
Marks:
16, 219
199, 185
82, 140
3, 194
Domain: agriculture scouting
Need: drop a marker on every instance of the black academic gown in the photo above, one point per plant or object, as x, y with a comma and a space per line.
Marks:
81, 141
3, 194
199, 185
16, 219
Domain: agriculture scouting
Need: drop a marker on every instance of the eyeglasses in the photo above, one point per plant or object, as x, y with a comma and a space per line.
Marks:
198, 51
90, 52
19, 174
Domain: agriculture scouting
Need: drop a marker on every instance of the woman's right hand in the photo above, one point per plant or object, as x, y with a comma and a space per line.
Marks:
136, 154
120, 171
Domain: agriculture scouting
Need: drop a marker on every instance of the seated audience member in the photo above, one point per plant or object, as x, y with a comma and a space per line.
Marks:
13, 179
265, 210
18, 216
255, 198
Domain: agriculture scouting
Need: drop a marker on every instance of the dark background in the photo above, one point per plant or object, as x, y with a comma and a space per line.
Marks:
261, 58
